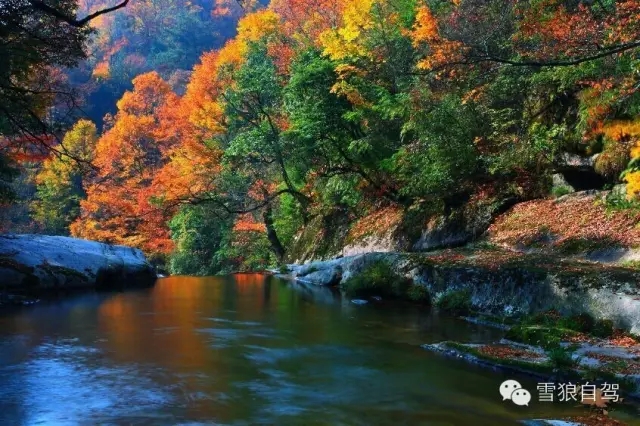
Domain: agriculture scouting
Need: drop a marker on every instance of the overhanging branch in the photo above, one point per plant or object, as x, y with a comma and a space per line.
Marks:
42, 6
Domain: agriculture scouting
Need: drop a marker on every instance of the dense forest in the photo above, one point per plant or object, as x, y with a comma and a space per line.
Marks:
209, 134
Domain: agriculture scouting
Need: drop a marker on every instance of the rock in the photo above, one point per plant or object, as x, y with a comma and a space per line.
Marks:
589, 193
37, 263
326, 277
461, 226
526, 284
579, 172
443, 232
359, 302
576, 161
561, 184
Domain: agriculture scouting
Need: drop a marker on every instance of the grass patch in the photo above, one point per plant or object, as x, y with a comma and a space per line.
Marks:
559, 191
547, 337
455, 302
633, 264
548, 329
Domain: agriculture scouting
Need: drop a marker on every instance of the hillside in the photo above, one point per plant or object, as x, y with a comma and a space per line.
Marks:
311, 129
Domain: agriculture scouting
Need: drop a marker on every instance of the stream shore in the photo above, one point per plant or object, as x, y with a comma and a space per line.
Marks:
40, 266
563, 319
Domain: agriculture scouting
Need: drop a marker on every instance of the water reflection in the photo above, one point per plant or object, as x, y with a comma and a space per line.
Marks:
244, 349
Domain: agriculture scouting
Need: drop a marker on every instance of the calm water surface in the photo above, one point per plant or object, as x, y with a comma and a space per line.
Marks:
244, 350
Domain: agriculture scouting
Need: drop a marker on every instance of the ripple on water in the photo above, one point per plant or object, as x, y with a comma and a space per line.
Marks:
65, 384
229, 321
222, 338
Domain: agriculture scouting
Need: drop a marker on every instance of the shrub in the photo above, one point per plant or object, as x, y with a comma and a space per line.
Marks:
418, 293
456, 302
560, 357
559, 191
582, 322
613, 160
603, 328
546, 337
379, 279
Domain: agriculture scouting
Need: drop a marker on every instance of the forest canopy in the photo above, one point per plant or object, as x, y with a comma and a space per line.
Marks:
213, 147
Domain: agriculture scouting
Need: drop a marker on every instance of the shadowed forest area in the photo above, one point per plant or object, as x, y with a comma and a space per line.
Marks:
213, 134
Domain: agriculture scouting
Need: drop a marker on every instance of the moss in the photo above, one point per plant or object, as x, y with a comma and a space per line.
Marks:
418, 293
536, 367
586, 245
10, 263
559, 191
455, 302
322, 237
379, 279
560, 362
631, 264
540, 335
67, 272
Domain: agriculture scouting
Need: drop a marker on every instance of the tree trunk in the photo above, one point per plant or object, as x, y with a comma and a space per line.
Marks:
276, 245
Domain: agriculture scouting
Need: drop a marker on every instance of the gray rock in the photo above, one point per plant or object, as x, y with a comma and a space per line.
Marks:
609, 294
325, 277
558, 181
589, 193
461, 226
576, 161
36, 263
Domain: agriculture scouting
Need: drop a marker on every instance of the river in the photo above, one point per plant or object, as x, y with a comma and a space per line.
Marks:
242, 350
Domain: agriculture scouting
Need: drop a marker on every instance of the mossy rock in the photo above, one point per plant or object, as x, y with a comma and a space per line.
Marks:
455, 302
380, 279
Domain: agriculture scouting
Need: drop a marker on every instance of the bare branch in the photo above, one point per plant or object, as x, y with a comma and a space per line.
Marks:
42, 6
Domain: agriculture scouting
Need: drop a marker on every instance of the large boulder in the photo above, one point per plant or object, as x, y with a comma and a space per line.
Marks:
34, 264
461, 226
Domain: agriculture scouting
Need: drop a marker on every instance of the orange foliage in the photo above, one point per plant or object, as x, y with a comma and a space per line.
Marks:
28, 149
305, 20
246, 223
441, 51
119, 207
558, 31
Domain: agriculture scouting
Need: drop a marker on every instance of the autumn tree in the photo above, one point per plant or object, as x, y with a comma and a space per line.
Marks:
120, 207
59, 183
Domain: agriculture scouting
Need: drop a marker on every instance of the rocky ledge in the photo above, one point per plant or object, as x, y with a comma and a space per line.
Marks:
33, 265
501, 282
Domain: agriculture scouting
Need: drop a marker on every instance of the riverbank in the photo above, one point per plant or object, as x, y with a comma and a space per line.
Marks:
562, 317
35, 266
